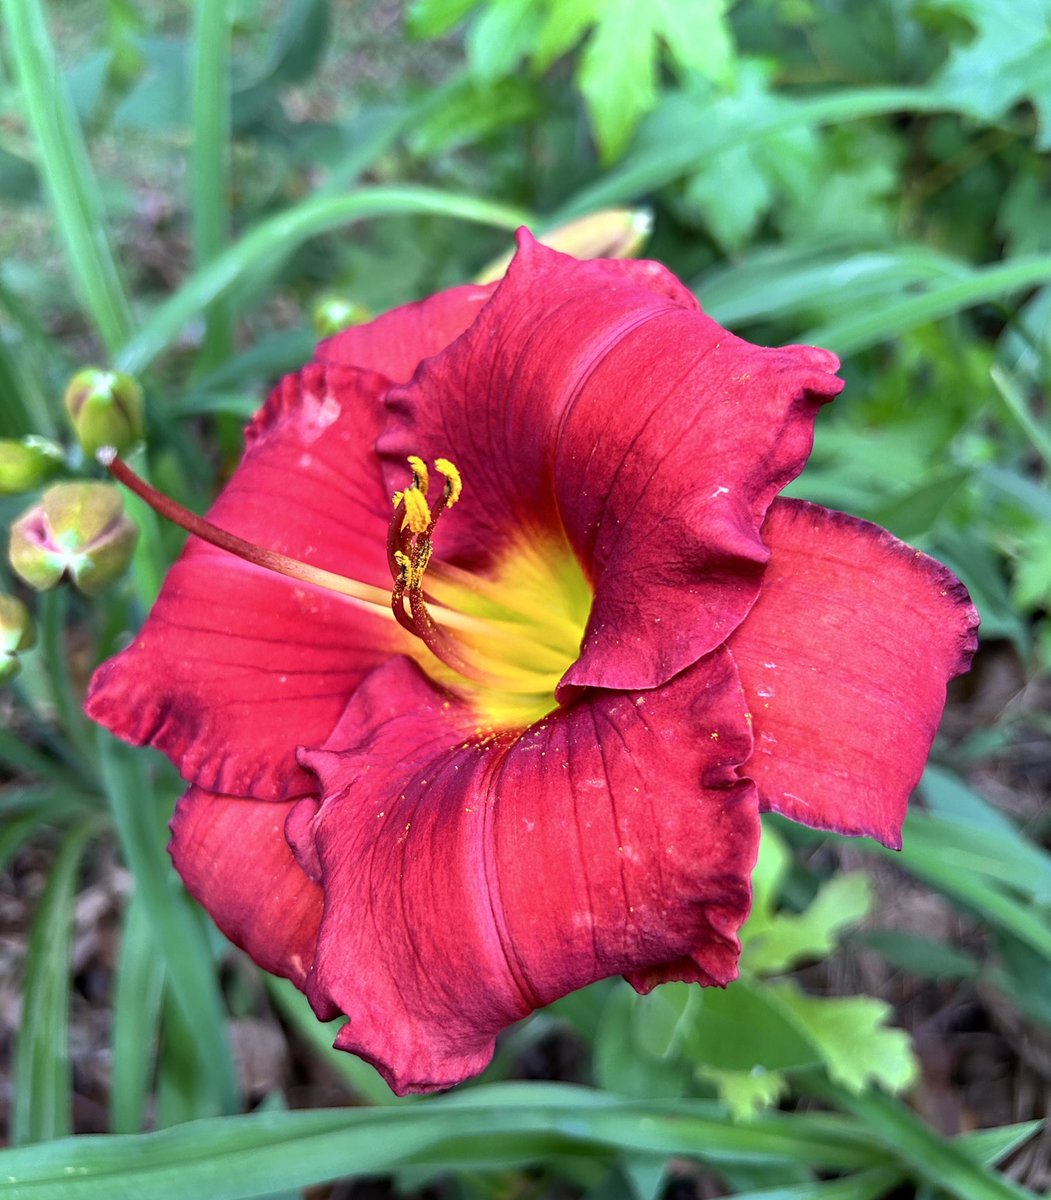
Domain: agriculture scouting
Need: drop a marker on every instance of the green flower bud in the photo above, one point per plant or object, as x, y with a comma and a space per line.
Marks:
333, 313
105, 409
26, 463
78, 531
17, 633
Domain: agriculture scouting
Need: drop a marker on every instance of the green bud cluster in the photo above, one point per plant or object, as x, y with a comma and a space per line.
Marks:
78, 531
333, 313
105, 409
17, 633
26, 463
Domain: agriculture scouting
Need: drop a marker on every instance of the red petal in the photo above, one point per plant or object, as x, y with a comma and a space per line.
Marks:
844, 660
470, 877
233, 858
595, 396
236, 666
395, 343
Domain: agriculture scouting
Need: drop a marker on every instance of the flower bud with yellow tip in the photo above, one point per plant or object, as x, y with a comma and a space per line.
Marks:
611, 233
78, 531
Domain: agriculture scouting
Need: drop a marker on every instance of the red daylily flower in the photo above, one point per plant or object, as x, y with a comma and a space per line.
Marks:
612, 653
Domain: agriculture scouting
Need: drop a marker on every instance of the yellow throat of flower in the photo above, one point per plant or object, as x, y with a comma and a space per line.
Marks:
502, 641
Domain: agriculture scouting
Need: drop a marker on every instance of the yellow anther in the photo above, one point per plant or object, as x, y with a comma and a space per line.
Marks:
397, 498
420, 475
404, 567
453, 482
417, 511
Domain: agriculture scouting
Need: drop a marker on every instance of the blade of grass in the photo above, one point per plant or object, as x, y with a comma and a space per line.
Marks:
947, 1165
67, 172
938, 861
210, 161
43, 1080
883, 321
232, 1158
279, 233
176, 927
136, 1016
867, 1185
1014, 402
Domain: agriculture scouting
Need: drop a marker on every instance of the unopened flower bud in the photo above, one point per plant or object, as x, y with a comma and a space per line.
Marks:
611, 233
78, 531
26, 463
333, 313
105, 409
17, 633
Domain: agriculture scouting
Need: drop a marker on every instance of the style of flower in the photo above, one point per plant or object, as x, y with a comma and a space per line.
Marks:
482, 749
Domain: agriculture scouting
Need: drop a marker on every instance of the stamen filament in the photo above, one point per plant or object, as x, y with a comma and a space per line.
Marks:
364, 595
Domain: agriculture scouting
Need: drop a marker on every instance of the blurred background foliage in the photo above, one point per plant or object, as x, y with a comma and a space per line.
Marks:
186, 188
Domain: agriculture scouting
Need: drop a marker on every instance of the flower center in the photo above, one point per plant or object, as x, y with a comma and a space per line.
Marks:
502, 641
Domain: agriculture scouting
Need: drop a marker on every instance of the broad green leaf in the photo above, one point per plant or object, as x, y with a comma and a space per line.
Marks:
565, 24
746, 1092
617, 1063
501, 37
744, 1029
1008, 60
684, 132
618, 74
785, 939
432, 18
850, 1036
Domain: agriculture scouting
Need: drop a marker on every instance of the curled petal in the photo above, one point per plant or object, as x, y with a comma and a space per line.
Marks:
844, 660
235, 665
233, 858
597, 398
470, 877
395, 343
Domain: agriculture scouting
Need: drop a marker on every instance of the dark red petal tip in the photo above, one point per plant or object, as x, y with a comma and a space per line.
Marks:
845, 659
